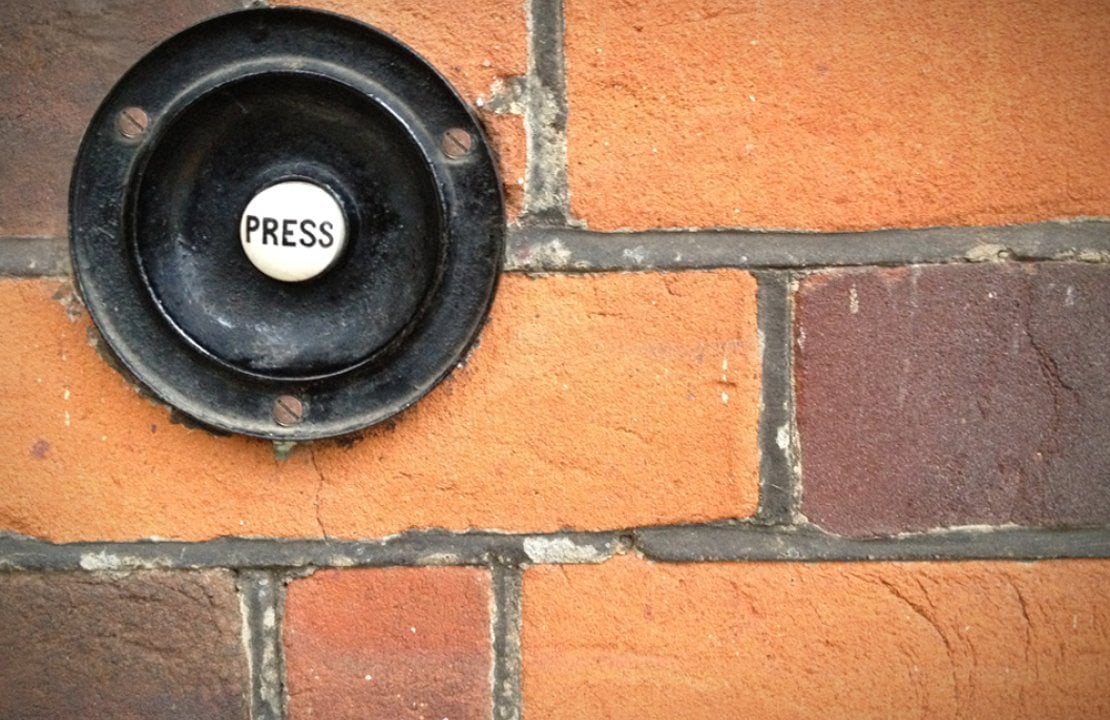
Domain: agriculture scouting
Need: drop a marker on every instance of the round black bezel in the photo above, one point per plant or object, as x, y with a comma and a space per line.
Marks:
199, 61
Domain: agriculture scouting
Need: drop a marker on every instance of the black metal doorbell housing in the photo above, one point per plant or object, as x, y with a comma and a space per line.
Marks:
286, 224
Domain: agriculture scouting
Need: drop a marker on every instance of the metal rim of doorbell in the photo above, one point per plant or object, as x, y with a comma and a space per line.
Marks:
214, 116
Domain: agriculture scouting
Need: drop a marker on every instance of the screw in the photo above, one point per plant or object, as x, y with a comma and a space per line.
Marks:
457, 143
132, 122
288, 410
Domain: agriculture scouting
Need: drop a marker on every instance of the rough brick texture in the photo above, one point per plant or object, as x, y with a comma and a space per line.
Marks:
837, 115
592, 402
480, 47
395, 644
629, 639
148, 646
954, 395
58, 60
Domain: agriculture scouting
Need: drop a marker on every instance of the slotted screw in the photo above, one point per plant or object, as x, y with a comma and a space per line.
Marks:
132, 122
288, 410
457, 143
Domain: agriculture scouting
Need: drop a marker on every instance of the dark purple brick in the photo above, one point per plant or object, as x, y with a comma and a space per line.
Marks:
149, 646
954, 395
58, 59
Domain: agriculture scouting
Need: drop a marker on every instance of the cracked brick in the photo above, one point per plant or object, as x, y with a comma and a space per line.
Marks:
592, 402
954, 395
631, 639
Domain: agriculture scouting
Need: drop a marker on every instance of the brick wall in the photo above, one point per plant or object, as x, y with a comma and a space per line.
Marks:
792, 402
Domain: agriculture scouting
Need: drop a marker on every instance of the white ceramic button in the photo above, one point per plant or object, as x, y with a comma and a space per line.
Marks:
293, 230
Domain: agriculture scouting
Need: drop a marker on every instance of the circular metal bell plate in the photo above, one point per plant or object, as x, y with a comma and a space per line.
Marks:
225, 112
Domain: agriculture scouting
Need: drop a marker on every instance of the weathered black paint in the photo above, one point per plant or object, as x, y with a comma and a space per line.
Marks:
238, 103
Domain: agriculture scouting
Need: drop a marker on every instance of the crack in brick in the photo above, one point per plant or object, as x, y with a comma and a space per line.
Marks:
627, 432
1024, 606
319, 491
925, 614
1050, 372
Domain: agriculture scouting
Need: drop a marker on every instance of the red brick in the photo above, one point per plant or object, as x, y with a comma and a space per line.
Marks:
592, 402
837, 115
151, 645
58, 60
954, 395
389, 643
632, 639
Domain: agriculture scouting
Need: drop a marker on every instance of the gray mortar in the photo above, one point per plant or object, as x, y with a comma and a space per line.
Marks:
546, 196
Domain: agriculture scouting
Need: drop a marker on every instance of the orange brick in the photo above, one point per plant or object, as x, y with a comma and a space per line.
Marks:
632, 639
477, 46
389, 643
837, 115
592, 402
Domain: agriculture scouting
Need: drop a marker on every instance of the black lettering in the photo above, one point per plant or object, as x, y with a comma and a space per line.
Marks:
325, 228
252, 224
287, 233
269, 231
308, 239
